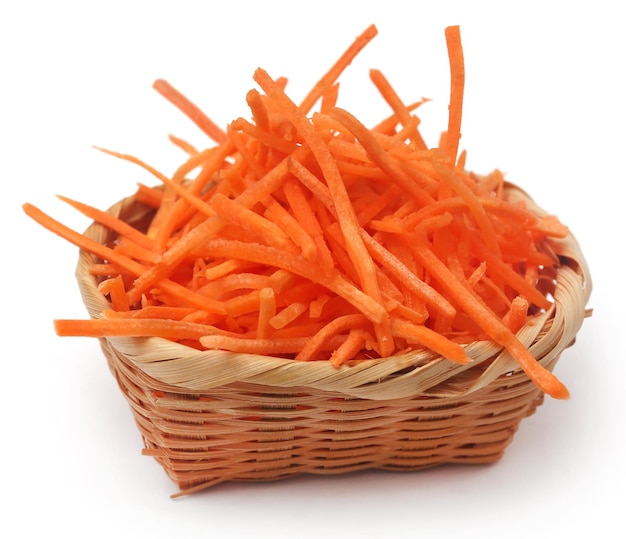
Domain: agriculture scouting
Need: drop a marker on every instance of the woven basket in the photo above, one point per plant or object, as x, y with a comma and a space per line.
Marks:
215, 416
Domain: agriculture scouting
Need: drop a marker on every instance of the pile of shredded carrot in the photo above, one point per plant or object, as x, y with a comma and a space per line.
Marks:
302, 233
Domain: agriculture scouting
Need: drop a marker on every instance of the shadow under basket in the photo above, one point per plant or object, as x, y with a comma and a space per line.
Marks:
214, 416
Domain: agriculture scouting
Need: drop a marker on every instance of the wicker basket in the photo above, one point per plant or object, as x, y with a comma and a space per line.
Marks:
215, 416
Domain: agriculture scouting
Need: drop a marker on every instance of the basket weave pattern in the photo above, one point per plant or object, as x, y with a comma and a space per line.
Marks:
214, 416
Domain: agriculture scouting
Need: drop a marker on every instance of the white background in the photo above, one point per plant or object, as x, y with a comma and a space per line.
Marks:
544, 103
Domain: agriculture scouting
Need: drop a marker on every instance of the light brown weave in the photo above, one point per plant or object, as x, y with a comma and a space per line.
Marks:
214, 416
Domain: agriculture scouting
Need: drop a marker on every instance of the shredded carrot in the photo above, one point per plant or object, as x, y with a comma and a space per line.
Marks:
307, 235
189, 109
457, 73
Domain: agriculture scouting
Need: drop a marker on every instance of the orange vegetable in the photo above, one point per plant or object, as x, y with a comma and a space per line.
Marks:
307, 235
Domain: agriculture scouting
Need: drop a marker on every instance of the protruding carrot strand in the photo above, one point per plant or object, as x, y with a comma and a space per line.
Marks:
190, 110
113, 223
329, 78
490, 323
166, 312
396, 104
517, 315
184, 145
457, 88
133, 327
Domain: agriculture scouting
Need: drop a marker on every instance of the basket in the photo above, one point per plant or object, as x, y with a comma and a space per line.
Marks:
214, 416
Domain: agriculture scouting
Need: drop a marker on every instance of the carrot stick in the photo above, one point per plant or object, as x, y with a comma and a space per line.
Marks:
396, 268
427, 338
288, 315
233, 212
267, 310
396, 104
114, 288
111, 222
183, 145
190, 110
490, 323
312, 347
328, 80
457, 86
348, 349
133, 327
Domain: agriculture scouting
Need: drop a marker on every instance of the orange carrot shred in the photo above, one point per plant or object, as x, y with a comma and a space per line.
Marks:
457, 86
189, 109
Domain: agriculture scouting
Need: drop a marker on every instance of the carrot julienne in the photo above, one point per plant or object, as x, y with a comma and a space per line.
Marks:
306, 235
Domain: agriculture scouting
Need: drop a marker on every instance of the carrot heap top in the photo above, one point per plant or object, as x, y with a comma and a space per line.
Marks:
305, 234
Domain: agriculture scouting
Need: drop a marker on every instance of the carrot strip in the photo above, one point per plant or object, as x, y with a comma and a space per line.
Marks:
305, 215
322, 87
150, 196
288, 315
114, 288
342, 323
190, 110
183, 145
396, 104
490, 323
267, 310
348, 349
427, 338
396, 268
292, 229
111, 222
267, 231
133, 327
517, 315
166, 312
457, 86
